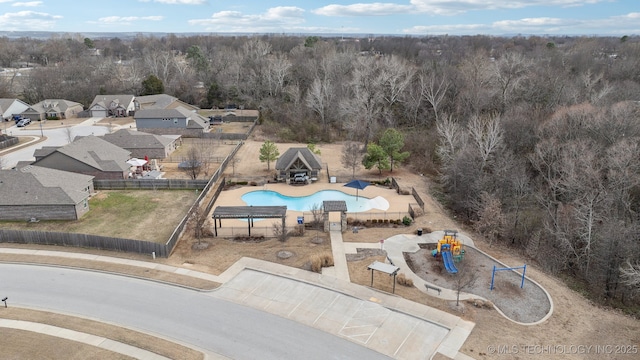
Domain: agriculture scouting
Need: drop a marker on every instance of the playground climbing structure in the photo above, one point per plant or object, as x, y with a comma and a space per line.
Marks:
450, 248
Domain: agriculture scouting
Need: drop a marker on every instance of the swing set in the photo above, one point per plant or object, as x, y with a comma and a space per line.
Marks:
523, 267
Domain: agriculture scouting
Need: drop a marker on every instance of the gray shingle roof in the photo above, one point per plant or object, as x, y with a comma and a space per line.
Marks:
97, 153
334, 205
59, 105
159, 101
34, 185
304, 154
130, 139
106, 100
197, 120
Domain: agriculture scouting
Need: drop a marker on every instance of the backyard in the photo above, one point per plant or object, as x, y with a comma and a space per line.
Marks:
135, 214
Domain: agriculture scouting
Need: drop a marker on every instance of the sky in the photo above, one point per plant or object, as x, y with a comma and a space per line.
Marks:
340, 17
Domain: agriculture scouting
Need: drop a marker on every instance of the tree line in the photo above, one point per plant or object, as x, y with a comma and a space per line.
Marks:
533, 141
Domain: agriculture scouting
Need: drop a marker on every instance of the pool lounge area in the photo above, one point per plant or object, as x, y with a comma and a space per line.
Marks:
381, 202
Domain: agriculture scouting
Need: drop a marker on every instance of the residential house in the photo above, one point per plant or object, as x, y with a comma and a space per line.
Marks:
113, 105
53, 109
162, 101
38, 193
142, 144
178, 121
89, 155
298, 160
12, 107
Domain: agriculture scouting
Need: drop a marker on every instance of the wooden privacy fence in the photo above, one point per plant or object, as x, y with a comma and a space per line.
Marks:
83, 240
150, 184
175, 236
418, 198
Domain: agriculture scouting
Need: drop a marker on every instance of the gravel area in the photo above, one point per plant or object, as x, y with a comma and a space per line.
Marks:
526, 305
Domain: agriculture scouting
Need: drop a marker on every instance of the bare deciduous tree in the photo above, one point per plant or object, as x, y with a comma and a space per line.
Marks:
364, 105
487, 135
69, 135
434, 91
319, 99
630, 274
192, 163
509, 71
464, 279
351, 157
491, 220
280, 231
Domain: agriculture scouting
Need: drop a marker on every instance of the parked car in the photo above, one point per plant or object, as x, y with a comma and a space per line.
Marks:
300, 178
24, 122
215, 120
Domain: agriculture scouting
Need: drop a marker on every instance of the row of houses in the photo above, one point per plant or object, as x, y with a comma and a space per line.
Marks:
156, 114
102, 106
59, 183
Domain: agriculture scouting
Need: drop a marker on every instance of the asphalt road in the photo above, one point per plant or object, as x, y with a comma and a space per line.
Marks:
55, 137
192, 317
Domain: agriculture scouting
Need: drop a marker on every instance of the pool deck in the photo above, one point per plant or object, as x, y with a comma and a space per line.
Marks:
397, 203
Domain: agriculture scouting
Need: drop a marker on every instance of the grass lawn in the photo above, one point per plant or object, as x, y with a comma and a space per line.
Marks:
136, 214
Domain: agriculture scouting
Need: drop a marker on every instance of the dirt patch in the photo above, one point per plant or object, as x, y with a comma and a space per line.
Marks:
362, 254
527, 305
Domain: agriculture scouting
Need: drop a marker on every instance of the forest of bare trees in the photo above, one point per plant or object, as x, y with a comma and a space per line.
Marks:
533, 141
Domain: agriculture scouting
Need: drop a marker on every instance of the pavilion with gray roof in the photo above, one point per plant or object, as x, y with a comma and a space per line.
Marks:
248, 212
298, 160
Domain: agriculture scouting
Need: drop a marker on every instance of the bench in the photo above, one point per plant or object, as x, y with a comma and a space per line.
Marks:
432, 288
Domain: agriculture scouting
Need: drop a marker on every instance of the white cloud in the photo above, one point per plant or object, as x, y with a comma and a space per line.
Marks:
128, 19
274, 19
28, 20
440, 7
178, 2
28, 4
448, 29
623, 24
371, 9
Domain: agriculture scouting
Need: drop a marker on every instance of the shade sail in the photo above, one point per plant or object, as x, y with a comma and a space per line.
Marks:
358, 185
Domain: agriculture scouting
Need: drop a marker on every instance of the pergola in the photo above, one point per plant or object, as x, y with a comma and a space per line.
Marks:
385, 268
249, 213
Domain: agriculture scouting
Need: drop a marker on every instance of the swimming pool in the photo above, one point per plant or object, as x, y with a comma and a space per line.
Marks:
305, 203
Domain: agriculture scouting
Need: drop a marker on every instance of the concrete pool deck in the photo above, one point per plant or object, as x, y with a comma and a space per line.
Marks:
397, 203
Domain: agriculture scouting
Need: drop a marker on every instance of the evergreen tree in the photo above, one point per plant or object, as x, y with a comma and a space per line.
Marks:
269, 152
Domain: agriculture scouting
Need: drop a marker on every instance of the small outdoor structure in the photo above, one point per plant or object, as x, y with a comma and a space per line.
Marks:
358, 185
385, 268
335, 205
249, 213
300, 161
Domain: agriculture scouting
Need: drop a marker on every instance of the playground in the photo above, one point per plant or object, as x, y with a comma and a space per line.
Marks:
442, 261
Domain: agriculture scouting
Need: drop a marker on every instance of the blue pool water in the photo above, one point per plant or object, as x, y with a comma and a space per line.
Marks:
305, 203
